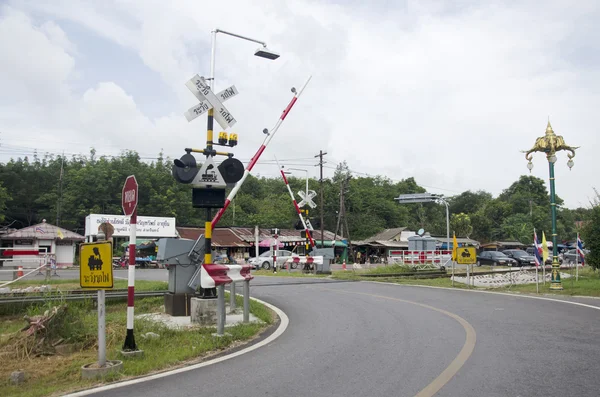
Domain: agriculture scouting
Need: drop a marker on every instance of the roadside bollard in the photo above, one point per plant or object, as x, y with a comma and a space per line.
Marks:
232, 296
246, 301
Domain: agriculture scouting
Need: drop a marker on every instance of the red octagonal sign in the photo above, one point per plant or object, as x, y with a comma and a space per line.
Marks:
129, 195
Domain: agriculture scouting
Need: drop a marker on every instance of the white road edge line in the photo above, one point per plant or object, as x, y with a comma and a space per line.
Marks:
278, 332
490, 292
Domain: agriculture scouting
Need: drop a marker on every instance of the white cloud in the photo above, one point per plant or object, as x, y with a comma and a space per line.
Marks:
448, 94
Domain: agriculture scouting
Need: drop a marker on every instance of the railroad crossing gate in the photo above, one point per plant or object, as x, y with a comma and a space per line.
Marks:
95, 265
466, 255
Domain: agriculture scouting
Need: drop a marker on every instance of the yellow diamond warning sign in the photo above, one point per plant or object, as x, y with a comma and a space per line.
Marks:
466, 255
95, 265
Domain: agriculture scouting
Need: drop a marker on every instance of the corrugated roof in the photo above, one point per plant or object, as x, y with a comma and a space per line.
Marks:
385, 235
221, 237
285, 235
43, 231
459, 240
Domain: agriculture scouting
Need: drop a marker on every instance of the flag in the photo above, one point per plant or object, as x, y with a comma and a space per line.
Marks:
544, 247
454, 246
60, 234
538, 249
39, 229
580, 250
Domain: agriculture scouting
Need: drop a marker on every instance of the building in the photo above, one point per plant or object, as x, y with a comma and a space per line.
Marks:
242, 243
377, 247
46, 238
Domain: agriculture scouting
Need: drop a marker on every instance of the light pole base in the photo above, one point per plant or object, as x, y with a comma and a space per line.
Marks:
555, 282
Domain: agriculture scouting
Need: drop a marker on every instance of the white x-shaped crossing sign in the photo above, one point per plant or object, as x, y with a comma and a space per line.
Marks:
307, 200
209, 100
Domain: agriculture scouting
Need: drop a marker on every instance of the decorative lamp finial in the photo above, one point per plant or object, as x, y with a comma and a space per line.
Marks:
549, 130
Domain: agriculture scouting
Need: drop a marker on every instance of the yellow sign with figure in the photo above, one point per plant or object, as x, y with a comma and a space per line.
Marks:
466, 255
95, 265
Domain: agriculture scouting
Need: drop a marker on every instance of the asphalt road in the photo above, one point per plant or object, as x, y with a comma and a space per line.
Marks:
372, 339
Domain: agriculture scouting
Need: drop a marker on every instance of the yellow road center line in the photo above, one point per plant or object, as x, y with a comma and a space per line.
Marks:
456, 364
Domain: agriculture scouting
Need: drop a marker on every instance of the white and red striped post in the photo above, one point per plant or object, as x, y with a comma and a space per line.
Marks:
129, 344
261, 149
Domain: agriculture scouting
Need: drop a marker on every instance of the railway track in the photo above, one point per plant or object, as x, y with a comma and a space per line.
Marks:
72, 295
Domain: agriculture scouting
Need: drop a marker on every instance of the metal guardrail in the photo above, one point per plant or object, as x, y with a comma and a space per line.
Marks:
22, 297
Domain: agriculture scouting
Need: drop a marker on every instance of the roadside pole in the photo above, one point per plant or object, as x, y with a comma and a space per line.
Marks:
101, 328
95, 272
129, 203
577, 262
537, 281
220, 310
232, 296
246, 301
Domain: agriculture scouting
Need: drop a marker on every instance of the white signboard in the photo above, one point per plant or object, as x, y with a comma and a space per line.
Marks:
307, 200
203, 106
209, 175
202, 91
146, 226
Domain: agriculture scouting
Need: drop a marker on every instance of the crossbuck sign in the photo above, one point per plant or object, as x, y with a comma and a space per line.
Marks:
307, 200
209, 100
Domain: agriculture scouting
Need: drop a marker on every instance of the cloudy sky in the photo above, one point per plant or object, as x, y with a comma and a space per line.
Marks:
448, 92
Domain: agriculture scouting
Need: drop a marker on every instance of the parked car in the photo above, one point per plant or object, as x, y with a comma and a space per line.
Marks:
522, 257
265, 260
495, 258
571, 256
531, 251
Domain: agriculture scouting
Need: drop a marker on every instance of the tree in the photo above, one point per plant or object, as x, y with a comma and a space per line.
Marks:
591, 234
461, 224
4, 199
469, 202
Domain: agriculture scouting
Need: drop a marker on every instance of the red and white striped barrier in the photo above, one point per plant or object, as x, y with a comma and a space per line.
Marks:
213, 275
259, 152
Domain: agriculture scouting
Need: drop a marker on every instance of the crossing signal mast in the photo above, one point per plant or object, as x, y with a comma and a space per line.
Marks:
209, 180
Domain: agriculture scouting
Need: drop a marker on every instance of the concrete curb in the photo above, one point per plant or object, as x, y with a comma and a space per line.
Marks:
283, 324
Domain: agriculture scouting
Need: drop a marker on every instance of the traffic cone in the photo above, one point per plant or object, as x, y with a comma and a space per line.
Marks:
20, 271
344, 265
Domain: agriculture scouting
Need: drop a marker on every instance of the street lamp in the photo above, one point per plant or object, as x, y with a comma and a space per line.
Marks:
551, 143
262, 52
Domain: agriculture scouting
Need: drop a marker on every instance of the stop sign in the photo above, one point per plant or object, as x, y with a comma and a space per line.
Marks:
129, 198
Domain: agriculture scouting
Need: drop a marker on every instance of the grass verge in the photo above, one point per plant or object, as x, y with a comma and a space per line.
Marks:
587, 285
48, 373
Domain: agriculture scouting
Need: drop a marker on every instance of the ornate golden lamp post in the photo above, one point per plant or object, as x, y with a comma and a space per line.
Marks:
550, 144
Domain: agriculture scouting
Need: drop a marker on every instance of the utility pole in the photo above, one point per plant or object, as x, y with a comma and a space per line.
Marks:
320, 156
337, 227
62, 161
345, 217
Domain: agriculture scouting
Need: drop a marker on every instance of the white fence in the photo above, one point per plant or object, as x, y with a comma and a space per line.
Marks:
421, 259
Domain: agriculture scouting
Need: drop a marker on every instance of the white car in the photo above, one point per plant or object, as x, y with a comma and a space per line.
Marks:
265, 260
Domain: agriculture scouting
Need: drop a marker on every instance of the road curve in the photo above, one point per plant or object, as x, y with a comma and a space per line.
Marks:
374, 339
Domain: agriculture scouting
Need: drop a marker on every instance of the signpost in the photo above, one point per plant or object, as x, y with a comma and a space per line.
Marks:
129, 202
129, 199
467, 256
307, 200
204, 105
202, 91
95, 272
